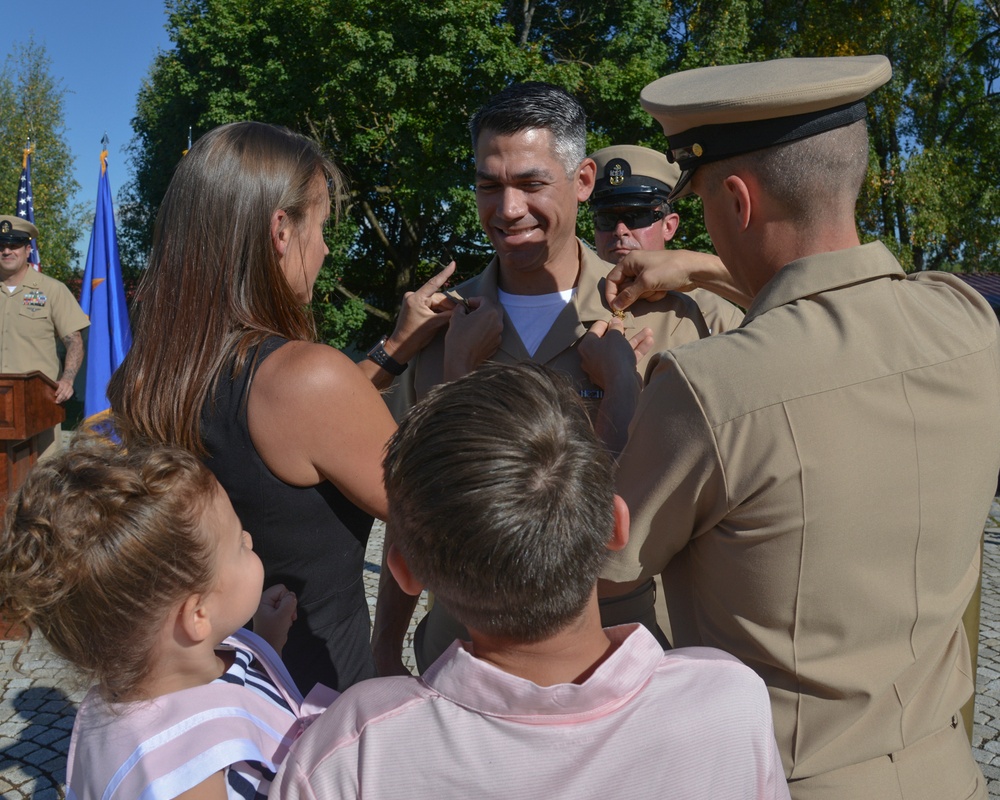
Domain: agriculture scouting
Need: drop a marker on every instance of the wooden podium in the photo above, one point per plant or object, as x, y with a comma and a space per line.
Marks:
27, 408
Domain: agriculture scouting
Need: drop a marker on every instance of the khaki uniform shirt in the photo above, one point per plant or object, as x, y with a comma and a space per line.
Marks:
39, 312
674, 320
813, 488
721, 315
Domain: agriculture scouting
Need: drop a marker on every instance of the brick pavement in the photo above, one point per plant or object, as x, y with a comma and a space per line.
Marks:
986, 733
37, 708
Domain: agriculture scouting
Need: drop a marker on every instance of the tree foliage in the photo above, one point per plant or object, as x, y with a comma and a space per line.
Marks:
388, 88
31, 106
935, 128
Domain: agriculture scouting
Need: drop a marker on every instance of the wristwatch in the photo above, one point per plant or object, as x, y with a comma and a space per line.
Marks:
384, 360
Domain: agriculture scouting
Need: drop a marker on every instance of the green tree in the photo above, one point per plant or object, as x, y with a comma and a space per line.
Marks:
31, 106
931, 194
388, 87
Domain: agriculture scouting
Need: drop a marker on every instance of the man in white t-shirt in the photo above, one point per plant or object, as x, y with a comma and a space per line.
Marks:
544, 288
541, 293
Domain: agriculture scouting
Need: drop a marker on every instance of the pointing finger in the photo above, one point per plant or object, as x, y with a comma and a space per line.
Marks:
436, 281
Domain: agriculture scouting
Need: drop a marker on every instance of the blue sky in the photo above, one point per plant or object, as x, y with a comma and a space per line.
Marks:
100, 52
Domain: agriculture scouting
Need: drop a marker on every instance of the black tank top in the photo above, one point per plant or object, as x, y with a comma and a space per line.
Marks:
312, 539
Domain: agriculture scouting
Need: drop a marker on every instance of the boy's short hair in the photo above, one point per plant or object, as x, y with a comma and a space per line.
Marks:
501, 499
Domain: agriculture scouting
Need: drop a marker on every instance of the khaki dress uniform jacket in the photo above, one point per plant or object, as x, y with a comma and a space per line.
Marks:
813, 488
674, 320
39, 312
720, 314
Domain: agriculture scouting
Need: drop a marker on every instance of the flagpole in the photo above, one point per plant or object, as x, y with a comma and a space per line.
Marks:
26, 202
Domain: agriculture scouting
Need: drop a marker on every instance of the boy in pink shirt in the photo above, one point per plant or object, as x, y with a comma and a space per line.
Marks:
501, 501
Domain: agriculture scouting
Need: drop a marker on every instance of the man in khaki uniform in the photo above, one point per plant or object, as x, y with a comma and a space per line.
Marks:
631, 212
538, 296
36, 311
813, 485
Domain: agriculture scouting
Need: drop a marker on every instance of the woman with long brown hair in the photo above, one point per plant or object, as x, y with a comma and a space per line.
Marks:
224, 364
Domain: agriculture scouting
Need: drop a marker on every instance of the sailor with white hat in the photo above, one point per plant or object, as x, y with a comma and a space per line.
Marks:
631, 212
812, 485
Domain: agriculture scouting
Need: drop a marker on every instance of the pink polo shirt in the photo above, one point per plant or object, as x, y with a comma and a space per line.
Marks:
691, 723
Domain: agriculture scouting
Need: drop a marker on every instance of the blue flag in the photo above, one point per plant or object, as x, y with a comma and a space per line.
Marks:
25, 202
103, 299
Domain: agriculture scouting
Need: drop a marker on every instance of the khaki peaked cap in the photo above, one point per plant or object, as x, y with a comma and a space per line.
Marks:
14, 230
631, 175
713, 113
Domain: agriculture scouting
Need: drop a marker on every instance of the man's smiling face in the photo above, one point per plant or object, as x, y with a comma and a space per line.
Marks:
527, 203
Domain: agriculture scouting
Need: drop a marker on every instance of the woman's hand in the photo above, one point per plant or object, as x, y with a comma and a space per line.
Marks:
422, 314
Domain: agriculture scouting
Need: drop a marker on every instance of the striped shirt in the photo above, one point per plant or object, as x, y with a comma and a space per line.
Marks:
251, 780
243, 723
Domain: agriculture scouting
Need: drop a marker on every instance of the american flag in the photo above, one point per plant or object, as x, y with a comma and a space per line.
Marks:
25, 203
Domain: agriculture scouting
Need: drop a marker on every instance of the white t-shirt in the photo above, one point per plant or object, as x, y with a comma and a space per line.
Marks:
533, 314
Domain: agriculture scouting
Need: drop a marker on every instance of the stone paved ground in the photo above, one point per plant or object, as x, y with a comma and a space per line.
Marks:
986, 735
37, 708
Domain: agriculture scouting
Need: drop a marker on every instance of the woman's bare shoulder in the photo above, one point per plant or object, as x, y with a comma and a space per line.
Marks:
309, 406
300, 369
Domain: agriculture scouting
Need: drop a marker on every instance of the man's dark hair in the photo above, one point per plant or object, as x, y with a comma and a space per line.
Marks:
501, 499
522, 106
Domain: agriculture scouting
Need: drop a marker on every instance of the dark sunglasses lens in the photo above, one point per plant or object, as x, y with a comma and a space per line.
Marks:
633, 219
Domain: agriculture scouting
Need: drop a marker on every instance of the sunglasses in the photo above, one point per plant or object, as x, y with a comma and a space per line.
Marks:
633, 218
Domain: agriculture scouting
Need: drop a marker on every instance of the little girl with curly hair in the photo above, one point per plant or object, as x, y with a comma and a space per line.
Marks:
136, 569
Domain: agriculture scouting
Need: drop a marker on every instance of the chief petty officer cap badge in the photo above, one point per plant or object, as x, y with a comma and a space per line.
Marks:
712, 113
14, 230
628, 175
